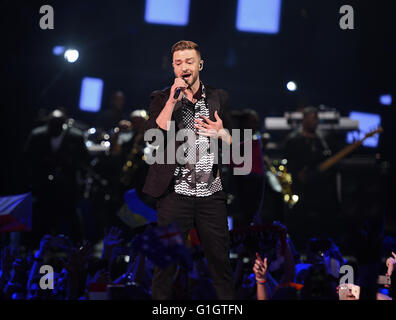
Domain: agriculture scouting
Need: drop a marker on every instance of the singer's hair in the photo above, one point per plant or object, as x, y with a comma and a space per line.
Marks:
185, 45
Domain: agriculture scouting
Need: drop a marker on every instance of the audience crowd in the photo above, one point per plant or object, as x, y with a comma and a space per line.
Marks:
116, 269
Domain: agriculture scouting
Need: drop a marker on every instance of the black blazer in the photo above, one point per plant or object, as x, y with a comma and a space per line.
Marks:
159, 177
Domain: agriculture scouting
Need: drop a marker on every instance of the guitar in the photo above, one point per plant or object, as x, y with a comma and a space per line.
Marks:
327, 164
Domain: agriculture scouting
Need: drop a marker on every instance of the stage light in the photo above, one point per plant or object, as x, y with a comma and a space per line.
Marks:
57, 113
170, 12
385, 99
71, 55
230, 223
58, 50
91, 94
291, 86
139, 113
91, 130
105, 144
367, 123
258, 16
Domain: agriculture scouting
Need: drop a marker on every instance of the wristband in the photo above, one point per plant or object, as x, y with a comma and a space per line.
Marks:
261, 281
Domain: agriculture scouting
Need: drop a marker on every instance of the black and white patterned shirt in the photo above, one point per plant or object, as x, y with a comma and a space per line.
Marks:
196, 179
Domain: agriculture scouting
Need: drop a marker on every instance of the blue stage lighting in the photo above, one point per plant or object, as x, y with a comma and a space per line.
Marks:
91, 94
171, 12
259, 16
58, 50
230, 223
385, 99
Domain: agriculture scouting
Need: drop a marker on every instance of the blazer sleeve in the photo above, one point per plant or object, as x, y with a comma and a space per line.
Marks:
157, 103
224, 113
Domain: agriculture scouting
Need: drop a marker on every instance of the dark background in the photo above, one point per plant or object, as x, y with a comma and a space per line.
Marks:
346, 69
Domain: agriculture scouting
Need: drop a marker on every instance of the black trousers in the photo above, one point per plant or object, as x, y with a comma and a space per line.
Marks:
209, 216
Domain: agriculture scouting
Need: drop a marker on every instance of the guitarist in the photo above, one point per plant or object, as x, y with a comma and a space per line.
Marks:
317, 207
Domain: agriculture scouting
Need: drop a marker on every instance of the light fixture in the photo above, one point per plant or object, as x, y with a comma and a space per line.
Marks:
291, 86
71, 55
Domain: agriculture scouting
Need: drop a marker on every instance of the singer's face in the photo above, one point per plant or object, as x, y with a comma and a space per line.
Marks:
186, 65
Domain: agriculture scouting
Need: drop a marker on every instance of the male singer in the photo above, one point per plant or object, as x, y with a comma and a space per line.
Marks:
191, 194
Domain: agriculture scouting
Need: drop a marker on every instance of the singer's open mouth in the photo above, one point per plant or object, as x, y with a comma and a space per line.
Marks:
186, 76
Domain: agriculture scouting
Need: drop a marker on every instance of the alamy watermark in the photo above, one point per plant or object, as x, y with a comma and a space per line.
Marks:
194, 148
47, 20
347, 20
347, 274
47, 280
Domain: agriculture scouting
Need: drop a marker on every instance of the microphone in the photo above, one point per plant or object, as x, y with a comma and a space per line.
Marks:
177, 91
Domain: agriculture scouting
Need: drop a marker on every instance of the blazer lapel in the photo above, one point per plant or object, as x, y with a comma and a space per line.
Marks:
212, 102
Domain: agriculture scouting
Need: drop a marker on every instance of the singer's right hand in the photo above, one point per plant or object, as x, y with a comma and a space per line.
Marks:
179, 83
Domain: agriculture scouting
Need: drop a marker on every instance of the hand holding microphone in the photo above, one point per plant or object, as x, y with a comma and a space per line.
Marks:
164, 118
178, 86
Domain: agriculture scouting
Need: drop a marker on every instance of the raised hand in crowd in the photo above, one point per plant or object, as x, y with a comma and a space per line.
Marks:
390, 264
260, 270
45, 245
111, 240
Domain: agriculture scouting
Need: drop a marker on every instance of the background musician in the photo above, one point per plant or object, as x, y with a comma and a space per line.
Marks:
317, 208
